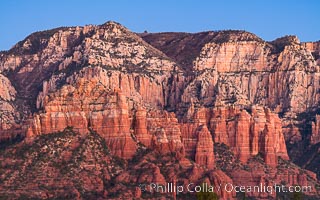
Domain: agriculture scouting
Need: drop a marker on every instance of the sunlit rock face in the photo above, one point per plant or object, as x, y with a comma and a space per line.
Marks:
214, 107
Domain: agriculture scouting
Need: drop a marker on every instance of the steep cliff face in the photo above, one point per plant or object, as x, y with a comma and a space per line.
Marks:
53, 56
162, 101
166, 134
315, 136
7, 96
314, 48
247, 73
249, 134
184, 48
204, 150
87, 105
98, 86
240, 69
9, 115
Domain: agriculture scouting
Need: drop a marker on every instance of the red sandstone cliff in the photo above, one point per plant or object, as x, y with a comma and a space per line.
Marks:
231, 88
315, 136
204, 150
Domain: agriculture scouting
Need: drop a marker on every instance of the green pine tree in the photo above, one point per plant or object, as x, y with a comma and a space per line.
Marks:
297, 196
206, 195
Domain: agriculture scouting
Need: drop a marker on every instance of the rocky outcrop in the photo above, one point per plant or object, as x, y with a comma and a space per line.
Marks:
315, 136
248, 73
218, 177
9, 115
283, 178
158, 130
196, 138
232, 57
255, 172
7, 92
184, 48
110, 111
85, 90
248, 134
86, 106
163, 109
140, 127
47, 59
204, 150
166, 133
314, 48
242, 140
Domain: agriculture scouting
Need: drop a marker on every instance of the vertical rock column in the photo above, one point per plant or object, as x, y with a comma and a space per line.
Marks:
204, 150
315, 136
140, 129
257, 127
117, 128
242, 146
267, 146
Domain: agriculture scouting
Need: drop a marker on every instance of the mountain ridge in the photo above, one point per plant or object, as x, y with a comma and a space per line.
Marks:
176, 95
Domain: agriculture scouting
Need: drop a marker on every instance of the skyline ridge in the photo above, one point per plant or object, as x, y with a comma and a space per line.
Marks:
161, 32
269, 19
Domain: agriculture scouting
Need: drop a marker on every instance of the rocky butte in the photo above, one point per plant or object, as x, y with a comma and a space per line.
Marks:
100, 112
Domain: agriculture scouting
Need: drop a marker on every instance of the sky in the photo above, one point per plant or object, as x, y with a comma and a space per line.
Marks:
269, 19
